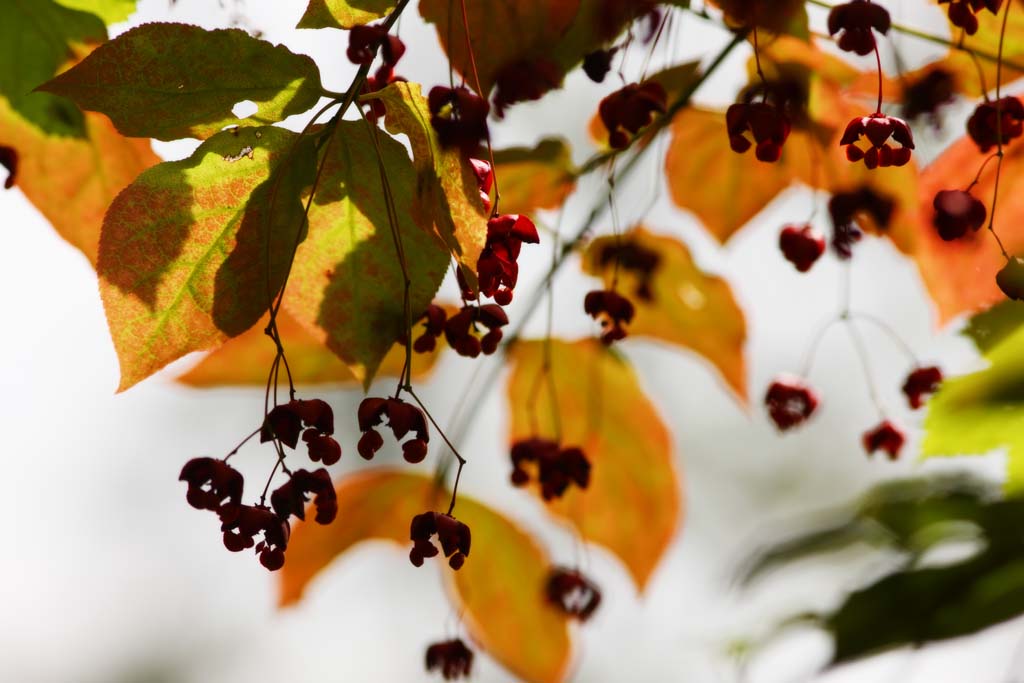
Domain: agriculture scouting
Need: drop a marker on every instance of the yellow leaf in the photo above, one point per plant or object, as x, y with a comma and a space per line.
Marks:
501, 585
632, 505
676, 302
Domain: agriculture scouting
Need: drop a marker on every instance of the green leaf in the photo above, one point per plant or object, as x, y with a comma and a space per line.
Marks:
344, 13
37, 37
447, 191
347, 284
183, 259
983, 411
110, 11
989, 328
169, 81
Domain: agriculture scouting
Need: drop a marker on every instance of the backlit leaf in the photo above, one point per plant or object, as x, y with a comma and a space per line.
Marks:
632, 505
538, 178
529, 30
447, 192
344, 13
680, 304
36, 39
961, 275
983, 411
170, 81
183, 253
347, 286
110, 11
500, 587
72, 180
246, 359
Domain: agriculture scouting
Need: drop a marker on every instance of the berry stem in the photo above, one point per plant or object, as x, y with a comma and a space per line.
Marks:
479, 90
865, 363
999, 133
244, 441
878, 63
977, 177
890, 332
451, 446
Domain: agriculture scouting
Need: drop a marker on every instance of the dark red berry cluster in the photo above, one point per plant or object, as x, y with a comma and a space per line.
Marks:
402, 417
452, 658
556, 467
801, 245
629, 109
572, 593
956, 212
920, 382
845, 207
790, 402
885, 437
613, 310
925, 95
597, 64
498, 267
854, 22
767, 124
216, 486
364, 42
991, 121
877, 130
963, 13
524, 80
459, 117
452, 534
462, 330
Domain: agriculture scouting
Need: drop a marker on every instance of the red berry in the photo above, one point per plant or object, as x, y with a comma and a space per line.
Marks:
877, 130
790, 402
452, 658
853, 21
921, 381
955, 212
629, 109
414, 450
572, 593
885, 437
801, 246
1003, 118
767, 124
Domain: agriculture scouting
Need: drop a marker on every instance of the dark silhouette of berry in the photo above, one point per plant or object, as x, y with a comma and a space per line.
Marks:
1010, 278
928, 93
9, 160
459, 117
956, 211
885, 437
597, 64
556, 467
877, 130
462, 328
844, 208
767, 124
452, 534
241, 528
497, 268
963, 13
634, 258
290, 498
452, 658
212, 484
402, 418
572, 593
853, 21
801, 246
629, 109
920, 382
433, 319
285, 421
1003, 118
363, 42
613, 310
322, 448
790, 402
524, 81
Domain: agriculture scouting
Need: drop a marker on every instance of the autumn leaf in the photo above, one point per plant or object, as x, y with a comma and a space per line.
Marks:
347, 284
447, 191
343, 13
36, 39
169, 81
500, 587
984, 411
72, 180
246, 359
961, 275
676, 302
110, 11
183, 253
984, 43
529, 30
632, 505
537, 178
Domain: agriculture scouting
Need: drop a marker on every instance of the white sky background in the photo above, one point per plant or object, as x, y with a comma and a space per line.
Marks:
110, 577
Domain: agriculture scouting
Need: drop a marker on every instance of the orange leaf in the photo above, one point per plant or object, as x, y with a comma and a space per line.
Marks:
538, 178
72, 180
960, 275
246, 359
500, 586
685, 306
633, 503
